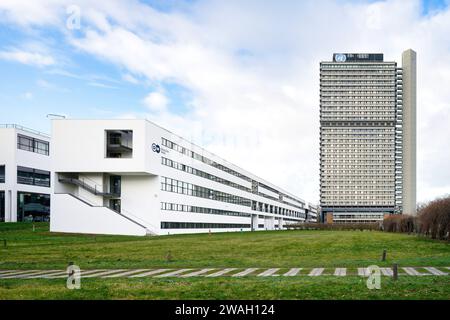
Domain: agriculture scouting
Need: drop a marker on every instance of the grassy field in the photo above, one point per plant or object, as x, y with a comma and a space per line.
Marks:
304, 288
40, 249
43, 250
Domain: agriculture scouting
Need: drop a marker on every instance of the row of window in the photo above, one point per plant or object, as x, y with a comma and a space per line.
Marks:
363, 91
33, 145
358, 65
354, 118
375, 154
30, 206
335, 194
192, 154
374, 142
190, 189
263, 207
356, 76
203, 159
356, 108
356, 113
345, 97
368, 161
200, 173
187, 208
338, 132
358, 171
372, 124
348, 103
33, 177
356, 203
200, 225
176, 186
360, 89
2, 174
356, 82
361, 139
361, 147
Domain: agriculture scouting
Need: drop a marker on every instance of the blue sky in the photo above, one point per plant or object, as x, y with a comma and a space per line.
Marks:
99, 90
236, 77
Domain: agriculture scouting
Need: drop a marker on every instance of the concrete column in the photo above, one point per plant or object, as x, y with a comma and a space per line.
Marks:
269, 223
409, 131
254, 222
280, 223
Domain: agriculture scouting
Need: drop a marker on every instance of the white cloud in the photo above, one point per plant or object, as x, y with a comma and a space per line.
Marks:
101, 85
252, 71
29, 58
129, 78
27, 95
156, 101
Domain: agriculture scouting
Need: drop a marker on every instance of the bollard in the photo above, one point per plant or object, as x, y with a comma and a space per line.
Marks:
383, 257
395, 271
169, 257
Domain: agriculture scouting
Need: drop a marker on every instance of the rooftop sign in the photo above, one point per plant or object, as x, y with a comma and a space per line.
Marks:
352, 57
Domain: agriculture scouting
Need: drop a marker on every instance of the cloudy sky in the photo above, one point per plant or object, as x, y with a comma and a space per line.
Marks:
240, 78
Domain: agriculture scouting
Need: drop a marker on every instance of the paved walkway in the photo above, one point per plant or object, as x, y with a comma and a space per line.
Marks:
221, 272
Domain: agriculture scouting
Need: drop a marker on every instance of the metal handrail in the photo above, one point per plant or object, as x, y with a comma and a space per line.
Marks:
16, 126
84, 185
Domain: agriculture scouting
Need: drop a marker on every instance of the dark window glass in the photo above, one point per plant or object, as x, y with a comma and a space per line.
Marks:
198, 225
33, 206
33, 145
2, 206
41, 178
2, 174
33, 177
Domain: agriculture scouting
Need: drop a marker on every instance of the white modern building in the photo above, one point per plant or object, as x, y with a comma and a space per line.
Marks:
133, 177
367, 137
311, 213
25, 178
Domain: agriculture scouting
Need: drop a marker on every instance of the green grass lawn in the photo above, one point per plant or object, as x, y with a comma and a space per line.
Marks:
43, 250
40, 249
304, 288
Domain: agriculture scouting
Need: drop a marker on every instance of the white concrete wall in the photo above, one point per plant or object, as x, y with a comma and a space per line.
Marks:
73, 216
79, 149
409, 131
80, 146
12, 157
140, 199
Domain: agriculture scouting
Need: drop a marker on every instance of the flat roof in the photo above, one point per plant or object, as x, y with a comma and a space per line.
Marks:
25, 129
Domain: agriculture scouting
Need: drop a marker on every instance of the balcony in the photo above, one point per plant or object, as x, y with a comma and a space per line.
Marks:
119, 143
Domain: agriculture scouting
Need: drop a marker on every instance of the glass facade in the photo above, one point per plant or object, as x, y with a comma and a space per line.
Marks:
199, 225
2, 206
33, 145
200, 173
2, 174
187, 208
33, 206
190, 189
199, 157
33, 177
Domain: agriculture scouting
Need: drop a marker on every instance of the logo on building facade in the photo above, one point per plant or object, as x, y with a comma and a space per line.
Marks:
156, 148
340, 57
